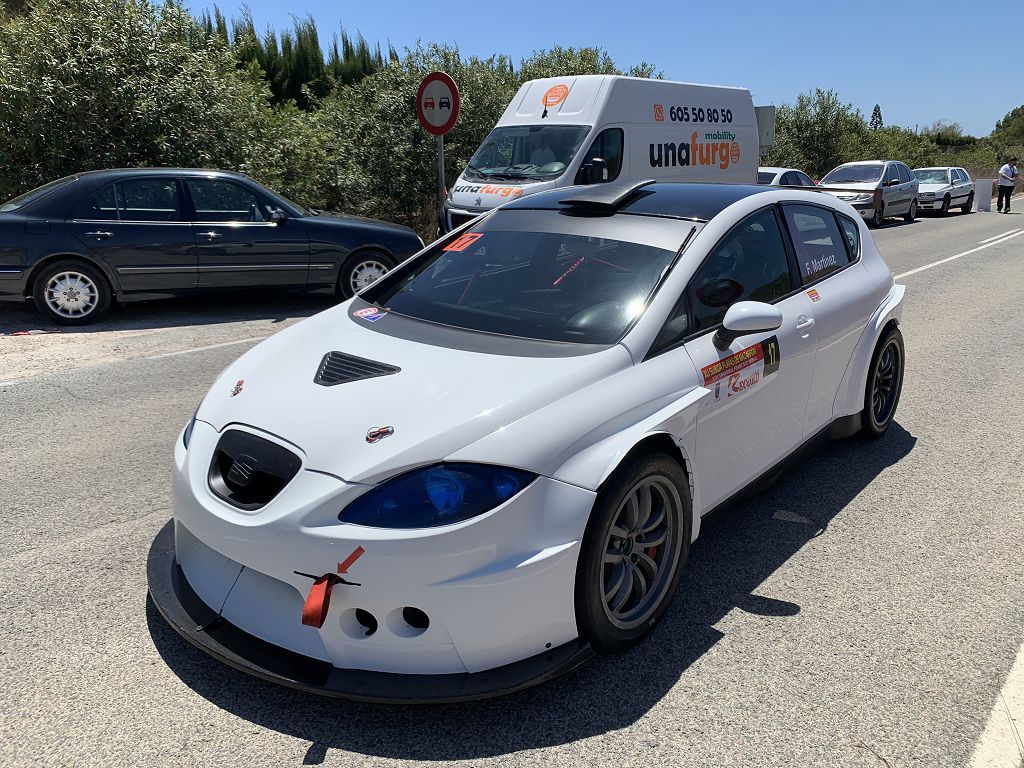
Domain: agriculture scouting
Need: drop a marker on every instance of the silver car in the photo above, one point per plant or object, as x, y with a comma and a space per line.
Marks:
944, 187
878, 189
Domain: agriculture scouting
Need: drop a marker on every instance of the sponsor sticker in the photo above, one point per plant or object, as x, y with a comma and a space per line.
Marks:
376, 434
366, 312
375, 318
659, 113
555, 95
813, 295
742, 370
460, 244
239, 385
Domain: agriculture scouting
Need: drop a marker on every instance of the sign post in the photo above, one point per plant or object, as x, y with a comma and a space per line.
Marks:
437, 108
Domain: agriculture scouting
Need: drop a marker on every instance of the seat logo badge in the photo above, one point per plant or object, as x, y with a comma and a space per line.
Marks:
238, 388
376, 434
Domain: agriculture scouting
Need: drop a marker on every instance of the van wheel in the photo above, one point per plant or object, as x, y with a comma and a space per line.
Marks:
633, 552
361, 270
969, 205
911, 213
878, 217
945, 206
885, 382
71, 292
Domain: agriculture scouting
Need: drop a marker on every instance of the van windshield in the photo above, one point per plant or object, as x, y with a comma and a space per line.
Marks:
540, 152
851, 174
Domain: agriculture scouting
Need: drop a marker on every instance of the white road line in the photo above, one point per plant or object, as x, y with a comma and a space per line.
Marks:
190, 350
996, 237
1002, 742
959, 255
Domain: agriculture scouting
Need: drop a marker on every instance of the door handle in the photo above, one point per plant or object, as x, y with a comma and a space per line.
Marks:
99, 235
211, 234
804, 323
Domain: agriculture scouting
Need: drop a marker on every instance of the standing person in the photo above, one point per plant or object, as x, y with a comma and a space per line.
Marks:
1007, 180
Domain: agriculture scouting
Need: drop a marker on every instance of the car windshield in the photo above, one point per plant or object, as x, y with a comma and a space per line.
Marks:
39, 192
851, 174
764, 177
527, 152
520, 278
931, 175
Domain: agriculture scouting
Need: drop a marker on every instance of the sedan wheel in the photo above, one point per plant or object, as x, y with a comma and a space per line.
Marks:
362, 271
633, 552
71, 293
885, 382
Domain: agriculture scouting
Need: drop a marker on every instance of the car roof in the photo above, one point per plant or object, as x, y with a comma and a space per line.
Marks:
160, 172
675, 200
774, 169
937, 167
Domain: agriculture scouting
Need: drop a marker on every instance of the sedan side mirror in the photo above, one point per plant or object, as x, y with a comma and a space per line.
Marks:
746, 317
277, 216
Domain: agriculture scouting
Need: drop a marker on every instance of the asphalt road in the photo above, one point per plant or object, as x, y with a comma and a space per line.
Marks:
862, 612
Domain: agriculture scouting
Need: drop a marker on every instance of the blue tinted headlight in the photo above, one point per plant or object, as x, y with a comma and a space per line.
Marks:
438, 495
187, 434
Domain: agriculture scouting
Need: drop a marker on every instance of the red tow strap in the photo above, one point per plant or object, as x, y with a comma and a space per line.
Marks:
314, 610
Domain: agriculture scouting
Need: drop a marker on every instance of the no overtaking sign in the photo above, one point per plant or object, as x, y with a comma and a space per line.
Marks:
437, 103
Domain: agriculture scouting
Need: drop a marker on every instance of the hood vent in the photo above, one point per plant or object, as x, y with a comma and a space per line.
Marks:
339, 368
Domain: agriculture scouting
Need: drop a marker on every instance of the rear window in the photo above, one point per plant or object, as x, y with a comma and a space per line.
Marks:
36, 194
819, 245
551, 284
765, 178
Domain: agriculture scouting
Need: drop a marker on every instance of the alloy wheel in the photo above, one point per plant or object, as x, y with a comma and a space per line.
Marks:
887, 382
71, 294
365, 273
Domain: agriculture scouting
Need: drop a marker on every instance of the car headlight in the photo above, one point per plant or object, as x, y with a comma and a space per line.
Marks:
439, 495
187, 434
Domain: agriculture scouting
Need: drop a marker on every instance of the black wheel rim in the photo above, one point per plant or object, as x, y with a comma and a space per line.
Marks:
641, 552
888, 372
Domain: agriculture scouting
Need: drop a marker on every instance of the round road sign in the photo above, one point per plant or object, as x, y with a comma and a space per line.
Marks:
437, 103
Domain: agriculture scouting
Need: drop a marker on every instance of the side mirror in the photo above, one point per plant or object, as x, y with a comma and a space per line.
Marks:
746, 317
277, 216
892, 182
595, 171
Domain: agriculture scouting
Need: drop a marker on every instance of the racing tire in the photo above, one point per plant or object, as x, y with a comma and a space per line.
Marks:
71, 292
945, 206
969, 205
878, 218
885, 382
633, 553
362, 269
911, 213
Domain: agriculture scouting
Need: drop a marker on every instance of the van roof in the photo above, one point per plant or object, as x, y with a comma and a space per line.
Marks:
676, 200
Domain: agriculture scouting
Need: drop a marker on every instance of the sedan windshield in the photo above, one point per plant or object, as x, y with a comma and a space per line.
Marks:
931, 175
852, 174
527, 152
531, 282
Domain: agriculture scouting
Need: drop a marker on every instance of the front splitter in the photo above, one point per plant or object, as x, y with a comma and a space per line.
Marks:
191, 618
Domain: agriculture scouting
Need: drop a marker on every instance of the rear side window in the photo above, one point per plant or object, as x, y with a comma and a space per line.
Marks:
100, 207
803, 179
852, 233
904, 172
148, 200
819, 246
750, 264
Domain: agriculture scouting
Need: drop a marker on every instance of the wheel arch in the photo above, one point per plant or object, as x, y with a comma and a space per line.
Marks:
46, 261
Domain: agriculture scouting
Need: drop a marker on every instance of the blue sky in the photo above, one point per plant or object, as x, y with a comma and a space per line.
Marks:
919, 61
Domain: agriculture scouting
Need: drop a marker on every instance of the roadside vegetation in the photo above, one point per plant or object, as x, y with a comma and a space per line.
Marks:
109, 83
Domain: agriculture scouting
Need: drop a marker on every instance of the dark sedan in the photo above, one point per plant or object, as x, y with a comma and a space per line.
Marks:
75, 244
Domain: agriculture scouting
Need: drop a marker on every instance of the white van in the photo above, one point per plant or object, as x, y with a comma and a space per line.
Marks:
586, 129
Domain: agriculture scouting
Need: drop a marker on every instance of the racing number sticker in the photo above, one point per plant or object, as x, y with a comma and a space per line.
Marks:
460, 244
770, 352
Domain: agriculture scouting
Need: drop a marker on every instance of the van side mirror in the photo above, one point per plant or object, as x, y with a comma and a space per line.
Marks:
596, 171
746, 317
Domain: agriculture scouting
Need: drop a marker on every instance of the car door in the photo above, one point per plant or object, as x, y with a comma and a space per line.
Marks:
908, 185
827, 248
136, 225
891, 190
962, 186
237, 243
760, 383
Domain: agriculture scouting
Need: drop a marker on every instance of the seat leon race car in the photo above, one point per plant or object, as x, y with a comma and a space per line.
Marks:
492, 462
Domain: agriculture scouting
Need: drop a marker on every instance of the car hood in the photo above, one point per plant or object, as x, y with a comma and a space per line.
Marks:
933, 188
330, 218
852, 186
441, 400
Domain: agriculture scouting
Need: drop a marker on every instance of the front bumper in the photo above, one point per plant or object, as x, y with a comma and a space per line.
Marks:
195, 621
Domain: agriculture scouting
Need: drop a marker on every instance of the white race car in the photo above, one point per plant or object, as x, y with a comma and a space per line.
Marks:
492, 462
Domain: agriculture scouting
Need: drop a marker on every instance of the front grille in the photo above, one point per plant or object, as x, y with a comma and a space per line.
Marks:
339, 368
248, 471
458, 219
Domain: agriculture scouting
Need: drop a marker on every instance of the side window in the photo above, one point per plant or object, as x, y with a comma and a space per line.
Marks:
607, 146
787, 179
891, 174
147, 199
216, 200
675, 328
852, 233
100, 207
819, 246
904, 173
803, 179
963, 176
749, 264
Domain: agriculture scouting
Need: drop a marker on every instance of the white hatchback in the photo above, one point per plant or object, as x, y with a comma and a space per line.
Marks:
497, 456
944, 187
